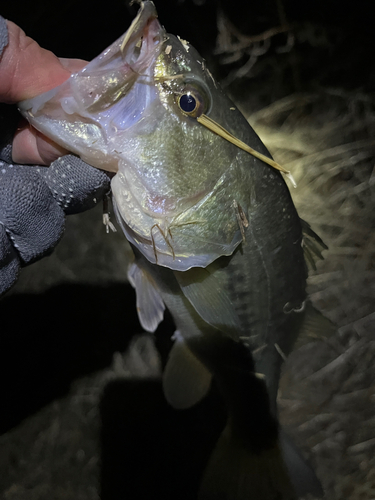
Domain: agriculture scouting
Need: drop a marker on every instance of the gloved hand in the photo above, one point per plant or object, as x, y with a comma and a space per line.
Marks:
34, 199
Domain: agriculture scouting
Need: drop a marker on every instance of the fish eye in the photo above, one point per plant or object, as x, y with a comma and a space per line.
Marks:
192, 101
188, 103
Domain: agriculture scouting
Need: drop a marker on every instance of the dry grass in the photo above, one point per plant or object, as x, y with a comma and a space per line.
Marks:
327, 141
327, 394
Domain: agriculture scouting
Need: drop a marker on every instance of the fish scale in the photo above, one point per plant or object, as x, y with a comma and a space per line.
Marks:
247, 283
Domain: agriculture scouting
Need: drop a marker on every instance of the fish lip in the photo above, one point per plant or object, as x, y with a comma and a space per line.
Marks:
145, 28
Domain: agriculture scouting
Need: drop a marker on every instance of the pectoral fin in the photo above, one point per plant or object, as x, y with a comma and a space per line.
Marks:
150, 305
185, 380
206, 294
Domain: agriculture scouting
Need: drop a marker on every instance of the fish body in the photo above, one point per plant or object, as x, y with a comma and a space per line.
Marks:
215, 234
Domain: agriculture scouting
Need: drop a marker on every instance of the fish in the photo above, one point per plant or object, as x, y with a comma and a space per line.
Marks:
215, 236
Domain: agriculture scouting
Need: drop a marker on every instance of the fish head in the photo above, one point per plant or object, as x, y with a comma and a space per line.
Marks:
174, 189
134, 110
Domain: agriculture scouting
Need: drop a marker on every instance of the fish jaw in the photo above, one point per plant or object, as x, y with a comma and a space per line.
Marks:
88, 112
193, 237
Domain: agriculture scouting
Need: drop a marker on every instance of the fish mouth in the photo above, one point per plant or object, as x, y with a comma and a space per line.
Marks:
143, 39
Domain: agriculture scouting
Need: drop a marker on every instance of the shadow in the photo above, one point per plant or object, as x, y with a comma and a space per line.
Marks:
150, 450
48, 340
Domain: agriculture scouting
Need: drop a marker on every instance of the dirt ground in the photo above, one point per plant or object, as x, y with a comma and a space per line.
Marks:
83, 416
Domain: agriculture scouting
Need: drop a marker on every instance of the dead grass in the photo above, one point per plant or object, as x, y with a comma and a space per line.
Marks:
327, 393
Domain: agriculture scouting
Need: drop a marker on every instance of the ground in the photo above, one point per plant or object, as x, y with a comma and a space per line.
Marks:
83, 415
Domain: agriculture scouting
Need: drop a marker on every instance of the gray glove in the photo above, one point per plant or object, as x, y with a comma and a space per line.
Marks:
34, 201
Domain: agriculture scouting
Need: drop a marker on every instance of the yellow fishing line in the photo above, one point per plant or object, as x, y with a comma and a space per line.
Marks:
222, 132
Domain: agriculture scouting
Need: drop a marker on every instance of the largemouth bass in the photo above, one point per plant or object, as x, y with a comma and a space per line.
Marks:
215, 235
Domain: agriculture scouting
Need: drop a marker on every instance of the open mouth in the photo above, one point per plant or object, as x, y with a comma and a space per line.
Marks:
142, 39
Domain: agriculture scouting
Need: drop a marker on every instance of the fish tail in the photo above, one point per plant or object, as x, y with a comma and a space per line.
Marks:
235, 471
253, 458
300, 471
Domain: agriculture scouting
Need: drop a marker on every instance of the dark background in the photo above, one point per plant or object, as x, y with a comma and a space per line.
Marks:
335, 39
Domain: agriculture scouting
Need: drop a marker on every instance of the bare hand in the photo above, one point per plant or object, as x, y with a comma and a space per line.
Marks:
28, 70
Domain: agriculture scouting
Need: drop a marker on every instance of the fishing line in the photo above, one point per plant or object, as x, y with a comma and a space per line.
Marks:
222, 132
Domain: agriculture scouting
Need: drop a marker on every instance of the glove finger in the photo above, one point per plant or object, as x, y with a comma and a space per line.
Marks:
9, 262
75, 185
33, 220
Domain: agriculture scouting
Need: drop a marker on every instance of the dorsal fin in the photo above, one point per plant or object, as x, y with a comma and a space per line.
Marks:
312, 245
314, 326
